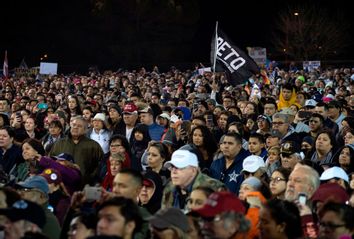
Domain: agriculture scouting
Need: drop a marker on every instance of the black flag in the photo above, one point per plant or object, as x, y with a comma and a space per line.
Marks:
225, 56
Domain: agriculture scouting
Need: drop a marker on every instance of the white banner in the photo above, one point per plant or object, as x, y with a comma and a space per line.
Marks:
311, 65
47, 68
201, 71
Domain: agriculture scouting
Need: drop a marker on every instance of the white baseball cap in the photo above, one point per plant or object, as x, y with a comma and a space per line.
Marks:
252, 163
100, 116
165, 116
310, 102
174, 118
334, 172
181, 159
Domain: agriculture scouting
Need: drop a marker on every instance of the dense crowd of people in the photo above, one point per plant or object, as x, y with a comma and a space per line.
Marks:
180, 154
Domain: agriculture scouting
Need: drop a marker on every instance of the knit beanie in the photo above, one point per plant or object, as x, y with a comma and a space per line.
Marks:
308, 139
117, 108
254, 182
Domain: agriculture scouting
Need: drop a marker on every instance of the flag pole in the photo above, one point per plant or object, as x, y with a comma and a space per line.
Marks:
215, 45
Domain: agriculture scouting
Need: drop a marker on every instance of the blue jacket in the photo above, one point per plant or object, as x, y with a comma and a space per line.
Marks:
11, 158
231, 176
156, 131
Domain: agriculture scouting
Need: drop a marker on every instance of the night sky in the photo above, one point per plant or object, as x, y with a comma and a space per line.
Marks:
71, 35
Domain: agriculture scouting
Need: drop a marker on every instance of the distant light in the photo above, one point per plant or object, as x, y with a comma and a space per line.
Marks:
296, 13
41, 58
45, 55
284, 49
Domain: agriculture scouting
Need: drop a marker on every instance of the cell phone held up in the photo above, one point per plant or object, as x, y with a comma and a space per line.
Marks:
92, 193
209, 121
302, 198
42, 106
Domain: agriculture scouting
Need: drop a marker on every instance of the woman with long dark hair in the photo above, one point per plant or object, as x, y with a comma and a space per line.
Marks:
73, 106
157, 155
344, 158
280, 219
31, 148
204, 141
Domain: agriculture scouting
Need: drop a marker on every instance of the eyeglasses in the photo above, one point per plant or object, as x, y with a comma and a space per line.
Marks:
277, 179
331, 226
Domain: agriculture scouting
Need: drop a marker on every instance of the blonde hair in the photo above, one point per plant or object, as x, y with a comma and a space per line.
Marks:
117, 157
275, 149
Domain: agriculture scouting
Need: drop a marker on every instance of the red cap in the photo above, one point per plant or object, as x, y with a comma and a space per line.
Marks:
148, 183
130, 109
330, 192
220, 202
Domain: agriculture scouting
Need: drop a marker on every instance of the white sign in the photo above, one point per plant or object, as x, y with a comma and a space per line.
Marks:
311, 65
47, 68
258, 54
201, 71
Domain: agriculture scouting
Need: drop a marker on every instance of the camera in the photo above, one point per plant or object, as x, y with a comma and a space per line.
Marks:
92, 193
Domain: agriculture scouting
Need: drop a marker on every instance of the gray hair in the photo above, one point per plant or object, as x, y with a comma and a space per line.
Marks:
232, 217
311, 174
79, 117
284, 117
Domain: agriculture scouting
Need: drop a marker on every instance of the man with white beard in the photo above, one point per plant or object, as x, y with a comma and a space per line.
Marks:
303, 179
